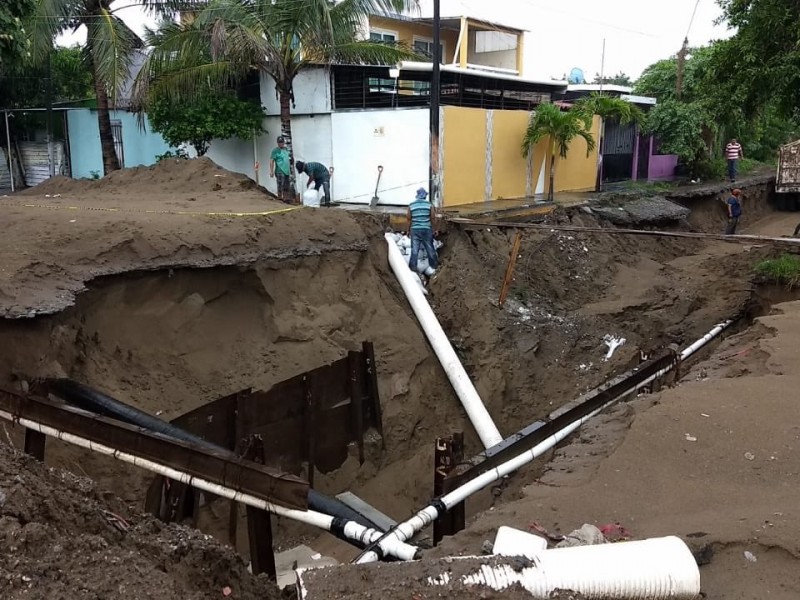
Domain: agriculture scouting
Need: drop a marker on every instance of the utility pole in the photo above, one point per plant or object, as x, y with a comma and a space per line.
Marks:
433, 182
49, 97
602, 65
680, 68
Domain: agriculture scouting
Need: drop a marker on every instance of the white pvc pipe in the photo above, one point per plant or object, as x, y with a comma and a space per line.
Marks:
655, 569
352, 530
405, 530
705, 339
466, 392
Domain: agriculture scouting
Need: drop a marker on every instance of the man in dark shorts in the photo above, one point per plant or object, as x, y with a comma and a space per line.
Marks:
280, 167
319, 176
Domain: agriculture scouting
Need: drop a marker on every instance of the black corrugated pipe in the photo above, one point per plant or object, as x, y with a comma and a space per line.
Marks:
89, 399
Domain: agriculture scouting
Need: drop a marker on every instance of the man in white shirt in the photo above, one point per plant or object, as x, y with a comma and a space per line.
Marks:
733, 152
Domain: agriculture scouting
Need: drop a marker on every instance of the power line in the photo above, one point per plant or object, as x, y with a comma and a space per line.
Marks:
691, 21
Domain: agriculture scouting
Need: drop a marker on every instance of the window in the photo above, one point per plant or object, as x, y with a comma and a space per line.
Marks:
390, 37
494, 41
378, 35
424, 46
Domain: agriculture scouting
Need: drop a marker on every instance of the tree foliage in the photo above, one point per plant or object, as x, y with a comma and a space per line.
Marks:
212, 115
762, 59
225, 41
25, 85
711, 109
620, 78
14, 43
610, 107
560, 128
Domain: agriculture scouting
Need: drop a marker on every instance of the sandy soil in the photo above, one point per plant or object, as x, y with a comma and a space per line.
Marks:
64, 232
120, 305
63, 538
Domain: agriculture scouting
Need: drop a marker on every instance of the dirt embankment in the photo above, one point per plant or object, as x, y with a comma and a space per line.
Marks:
63, 537
284, 293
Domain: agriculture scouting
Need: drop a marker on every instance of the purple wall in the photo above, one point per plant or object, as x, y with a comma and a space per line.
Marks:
662, 166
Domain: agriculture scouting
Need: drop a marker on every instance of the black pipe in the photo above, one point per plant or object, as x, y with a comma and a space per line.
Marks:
91, 400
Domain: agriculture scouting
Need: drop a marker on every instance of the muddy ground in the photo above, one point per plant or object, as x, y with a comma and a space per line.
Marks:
137, 285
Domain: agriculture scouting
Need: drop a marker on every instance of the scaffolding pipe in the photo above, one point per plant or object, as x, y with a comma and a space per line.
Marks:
350, 530
466, 392
404, 531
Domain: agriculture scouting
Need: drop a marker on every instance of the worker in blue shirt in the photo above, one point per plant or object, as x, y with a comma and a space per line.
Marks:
734, 205
421, 218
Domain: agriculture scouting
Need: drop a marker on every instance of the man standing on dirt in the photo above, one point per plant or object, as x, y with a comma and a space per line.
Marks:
280, 167
319, 176
421, 217
733, 152
734, 211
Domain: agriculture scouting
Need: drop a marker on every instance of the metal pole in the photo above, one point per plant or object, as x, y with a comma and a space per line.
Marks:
433, 183
9, 157
49, 94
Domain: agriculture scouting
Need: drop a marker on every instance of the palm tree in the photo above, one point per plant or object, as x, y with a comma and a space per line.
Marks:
608, 107
560, 127
223, 42
109, 50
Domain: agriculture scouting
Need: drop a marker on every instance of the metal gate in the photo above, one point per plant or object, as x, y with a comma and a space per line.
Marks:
116, 132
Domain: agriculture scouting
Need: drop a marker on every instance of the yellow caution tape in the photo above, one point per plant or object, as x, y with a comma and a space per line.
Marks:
155, 212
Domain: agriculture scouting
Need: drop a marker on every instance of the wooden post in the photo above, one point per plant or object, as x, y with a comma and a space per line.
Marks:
356, 400
442, 465
259, 523
458, 515
34, 444
372, 385
310, 427
512, 262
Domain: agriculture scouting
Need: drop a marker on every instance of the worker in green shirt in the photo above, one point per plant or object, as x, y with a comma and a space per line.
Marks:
280, 167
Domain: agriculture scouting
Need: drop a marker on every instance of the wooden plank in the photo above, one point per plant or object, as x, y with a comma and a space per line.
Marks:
376, 413
217, 467
215, 422
357, 401
259, 524
512, 262
310, 428
34, 444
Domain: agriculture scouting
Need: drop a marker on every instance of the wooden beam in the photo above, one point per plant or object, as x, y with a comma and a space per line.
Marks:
357, 400
463, 56
745, 239
220, 467
34, 444
512, 262
538, 431
259, 523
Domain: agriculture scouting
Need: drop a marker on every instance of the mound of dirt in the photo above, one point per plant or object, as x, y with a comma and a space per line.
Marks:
61, 538
169, 176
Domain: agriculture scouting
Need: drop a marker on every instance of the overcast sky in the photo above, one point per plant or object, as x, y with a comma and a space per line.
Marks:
569, 33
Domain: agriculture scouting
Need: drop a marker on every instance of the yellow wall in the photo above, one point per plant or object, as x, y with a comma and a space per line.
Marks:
406, 31
464, 163
578, 172
465, 143
509, 168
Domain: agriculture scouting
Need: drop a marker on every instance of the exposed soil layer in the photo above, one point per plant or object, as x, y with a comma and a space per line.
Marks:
131, 312
62, 537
